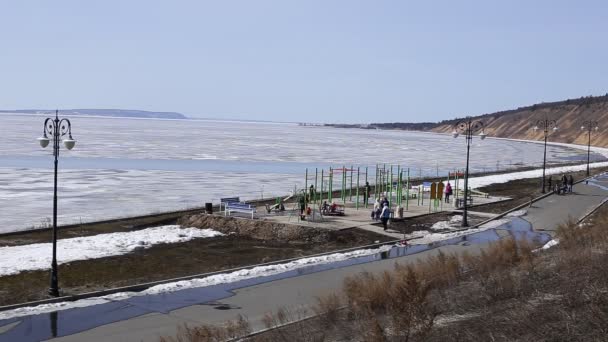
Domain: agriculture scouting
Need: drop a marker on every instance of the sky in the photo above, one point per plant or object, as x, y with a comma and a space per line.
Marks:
333, 61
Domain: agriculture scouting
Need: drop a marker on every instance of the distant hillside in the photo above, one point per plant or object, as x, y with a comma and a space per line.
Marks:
518, 123
125, 113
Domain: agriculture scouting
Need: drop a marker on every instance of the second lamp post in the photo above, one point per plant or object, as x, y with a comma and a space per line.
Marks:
467, 127
589, 126
546, 125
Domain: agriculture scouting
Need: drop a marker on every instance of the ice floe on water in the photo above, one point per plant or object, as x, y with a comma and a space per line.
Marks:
16, 259
223, 278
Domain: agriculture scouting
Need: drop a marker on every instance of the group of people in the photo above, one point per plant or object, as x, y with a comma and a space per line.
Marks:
564, 185
382, 211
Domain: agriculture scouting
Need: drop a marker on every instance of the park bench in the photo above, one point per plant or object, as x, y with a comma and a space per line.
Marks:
239, 208
226, 200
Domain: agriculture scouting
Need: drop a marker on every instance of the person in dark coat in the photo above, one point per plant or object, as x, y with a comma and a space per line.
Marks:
564, 184
385, 215
570, 183
366, 192
384, 202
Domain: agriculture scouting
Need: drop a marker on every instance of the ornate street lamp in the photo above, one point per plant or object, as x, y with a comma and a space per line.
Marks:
468, 127
57, 129
546, 125
589, 126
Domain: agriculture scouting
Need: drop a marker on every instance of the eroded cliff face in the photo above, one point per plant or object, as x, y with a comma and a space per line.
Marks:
569, 115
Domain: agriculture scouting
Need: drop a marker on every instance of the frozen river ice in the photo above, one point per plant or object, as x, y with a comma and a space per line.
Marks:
123, 167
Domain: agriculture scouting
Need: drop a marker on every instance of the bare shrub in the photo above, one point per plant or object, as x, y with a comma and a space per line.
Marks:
209, 333
292, 325
366, 291
440, 271
328, 310
410, 312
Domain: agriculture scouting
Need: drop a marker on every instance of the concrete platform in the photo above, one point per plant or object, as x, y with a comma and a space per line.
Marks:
361, 217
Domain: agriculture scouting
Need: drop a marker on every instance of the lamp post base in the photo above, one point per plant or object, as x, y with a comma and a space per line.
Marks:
53, 292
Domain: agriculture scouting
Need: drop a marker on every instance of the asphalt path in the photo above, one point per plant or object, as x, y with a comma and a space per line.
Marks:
301, 291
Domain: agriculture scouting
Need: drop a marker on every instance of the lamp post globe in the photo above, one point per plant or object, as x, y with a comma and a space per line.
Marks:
56, 128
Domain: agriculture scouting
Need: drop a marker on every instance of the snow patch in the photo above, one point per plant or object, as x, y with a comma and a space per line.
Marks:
16, 259
550, 244
517, 213
451, 224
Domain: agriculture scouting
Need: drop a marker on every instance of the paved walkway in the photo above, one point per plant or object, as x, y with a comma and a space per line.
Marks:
254, 301
548, 213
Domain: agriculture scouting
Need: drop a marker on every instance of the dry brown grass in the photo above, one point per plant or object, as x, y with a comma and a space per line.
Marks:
505, 293
209, 333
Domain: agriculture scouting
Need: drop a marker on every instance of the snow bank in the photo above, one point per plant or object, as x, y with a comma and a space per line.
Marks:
16, 259
441, 225
517, 213
231, 277
479, 182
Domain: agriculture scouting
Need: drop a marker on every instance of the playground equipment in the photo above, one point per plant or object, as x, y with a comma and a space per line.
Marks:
348, 186
392, 182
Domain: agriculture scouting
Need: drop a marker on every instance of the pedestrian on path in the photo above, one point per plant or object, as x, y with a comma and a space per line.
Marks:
385, 215
448, 192
570, 183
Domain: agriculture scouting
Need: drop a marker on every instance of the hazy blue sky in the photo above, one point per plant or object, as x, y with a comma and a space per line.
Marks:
328, 61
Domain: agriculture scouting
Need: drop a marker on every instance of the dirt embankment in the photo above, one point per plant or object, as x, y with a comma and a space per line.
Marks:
257, 229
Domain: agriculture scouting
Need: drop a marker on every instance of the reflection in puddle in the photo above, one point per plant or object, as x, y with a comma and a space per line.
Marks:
71, 321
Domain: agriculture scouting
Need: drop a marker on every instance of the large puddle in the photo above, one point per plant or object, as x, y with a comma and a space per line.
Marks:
66, 322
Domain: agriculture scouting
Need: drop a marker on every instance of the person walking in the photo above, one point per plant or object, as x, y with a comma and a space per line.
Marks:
302, 204
570, 183
385, 215
564, 184
448, 192
311, 193
366, 192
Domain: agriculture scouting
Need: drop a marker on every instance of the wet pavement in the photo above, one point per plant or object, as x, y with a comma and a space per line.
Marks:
147, 317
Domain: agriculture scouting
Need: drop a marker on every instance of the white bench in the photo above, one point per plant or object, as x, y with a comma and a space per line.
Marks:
239, 208
226, 200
